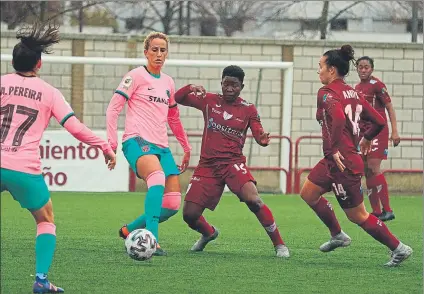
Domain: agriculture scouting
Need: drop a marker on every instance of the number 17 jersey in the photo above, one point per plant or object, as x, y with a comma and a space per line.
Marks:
27, 104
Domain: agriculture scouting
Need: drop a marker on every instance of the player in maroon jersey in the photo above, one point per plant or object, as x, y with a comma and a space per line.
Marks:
339, 108
227, 118
376, 94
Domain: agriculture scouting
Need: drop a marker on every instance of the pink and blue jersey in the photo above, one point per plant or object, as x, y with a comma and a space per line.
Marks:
151, 104
27, 104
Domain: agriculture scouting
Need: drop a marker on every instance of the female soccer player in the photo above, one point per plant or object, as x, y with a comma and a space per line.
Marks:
27, 104
376, 94
339, 110
151, 103
227, 119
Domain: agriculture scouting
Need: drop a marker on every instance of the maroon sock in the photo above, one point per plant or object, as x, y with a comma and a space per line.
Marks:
202, 226
325, 212
266, 219
374, 188
379, 231
383, 192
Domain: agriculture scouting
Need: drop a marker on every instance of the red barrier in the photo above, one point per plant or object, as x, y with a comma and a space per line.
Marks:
298, 172
288, 173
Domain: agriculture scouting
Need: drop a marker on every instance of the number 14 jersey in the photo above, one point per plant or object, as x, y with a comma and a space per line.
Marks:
27, 104
339, 109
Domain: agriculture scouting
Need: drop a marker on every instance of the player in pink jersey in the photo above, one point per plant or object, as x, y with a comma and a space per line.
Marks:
375, 92
227, 118
27, 104
151, 104
339, 108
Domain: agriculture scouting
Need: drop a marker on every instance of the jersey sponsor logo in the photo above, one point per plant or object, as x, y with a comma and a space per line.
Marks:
227, 115
224, 129
216, 111
158, 100
350, 94
127, 82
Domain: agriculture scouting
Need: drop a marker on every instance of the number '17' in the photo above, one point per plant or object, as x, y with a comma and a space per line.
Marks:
7, 112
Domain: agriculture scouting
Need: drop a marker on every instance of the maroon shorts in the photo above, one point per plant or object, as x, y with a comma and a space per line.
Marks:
208, 183
345, 185
380, 145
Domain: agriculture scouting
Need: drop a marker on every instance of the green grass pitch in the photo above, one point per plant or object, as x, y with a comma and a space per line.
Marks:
90, 258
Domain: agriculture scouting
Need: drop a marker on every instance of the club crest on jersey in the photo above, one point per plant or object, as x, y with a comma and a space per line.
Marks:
372, 82
145, 148
245, 103
227, 116
127, 82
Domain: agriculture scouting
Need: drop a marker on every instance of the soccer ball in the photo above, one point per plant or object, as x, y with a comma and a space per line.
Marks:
140, 244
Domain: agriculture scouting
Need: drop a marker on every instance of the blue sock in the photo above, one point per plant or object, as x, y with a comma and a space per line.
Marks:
152, 208
140, 222
45, 245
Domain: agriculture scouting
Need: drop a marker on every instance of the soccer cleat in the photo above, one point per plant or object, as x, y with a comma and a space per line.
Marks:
203, 241
123, 232
401, 253
387, 216
159, 251
44, 286
340, 240
282, 251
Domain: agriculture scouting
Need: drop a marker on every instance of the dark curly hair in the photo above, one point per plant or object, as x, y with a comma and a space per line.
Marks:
34, 40
340, 59
233, 71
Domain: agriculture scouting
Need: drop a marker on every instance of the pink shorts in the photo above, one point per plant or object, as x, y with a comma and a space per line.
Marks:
345, 185
207, 183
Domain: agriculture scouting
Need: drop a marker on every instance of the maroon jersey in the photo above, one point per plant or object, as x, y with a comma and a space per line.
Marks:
225, 128
375, 92
339, 108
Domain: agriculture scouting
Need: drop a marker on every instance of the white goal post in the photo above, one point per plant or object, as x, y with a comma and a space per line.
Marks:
287, 94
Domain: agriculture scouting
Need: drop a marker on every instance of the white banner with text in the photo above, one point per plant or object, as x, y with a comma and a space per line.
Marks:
69, 165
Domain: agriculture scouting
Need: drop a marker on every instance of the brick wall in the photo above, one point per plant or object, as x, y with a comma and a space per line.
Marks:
398, 65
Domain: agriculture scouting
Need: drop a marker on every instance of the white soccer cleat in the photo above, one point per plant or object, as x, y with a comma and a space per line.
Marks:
401, 253
340, 240
282, 251
203, 241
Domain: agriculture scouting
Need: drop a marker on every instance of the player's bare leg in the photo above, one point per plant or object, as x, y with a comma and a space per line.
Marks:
192, 214
249, 195
378, 190
45, 246
379, 231
312, 195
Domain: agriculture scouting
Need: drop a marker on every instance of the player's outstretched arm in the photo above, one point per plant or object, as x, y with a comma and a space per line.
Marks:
64, 114
115, 107
191, 95
85, 135
261, 137
177, 128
